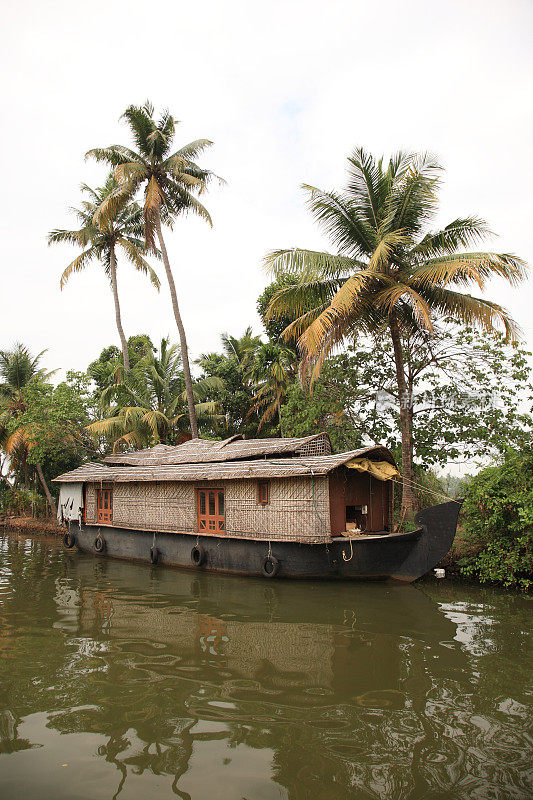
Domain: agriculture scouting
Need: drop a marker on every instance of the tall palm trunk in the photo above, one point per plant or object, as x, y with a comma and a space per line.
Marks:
114, 288
409, 500
181, 330
49, 497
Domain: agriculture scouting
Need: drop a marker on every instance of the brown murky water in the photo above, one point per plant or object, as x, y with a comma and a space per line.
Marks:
118, 680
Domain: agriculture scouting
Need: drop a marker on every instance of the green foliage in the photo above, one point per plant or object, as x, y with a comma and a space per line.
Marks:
254, 378
235, 391
99, 242
234, 396
147, 405
52, 427
103, 370
171, 180
429, 489
21, 502
276, 325
304, 413
17, 368
498, 523
471, 397
389, 268
271, 373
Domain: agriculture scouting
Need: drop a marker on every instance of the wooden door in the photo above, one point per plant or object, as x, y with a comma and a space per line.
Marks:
211, 511
104, 504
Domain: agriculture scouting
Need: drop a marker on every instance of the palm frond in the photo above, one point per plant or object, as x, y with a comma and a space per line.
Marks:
389, 298
192, 150
79, 264
474, 311
80, 237
364, 184
344, 306
178, 200
111, 205
131, 174
465, 268
113, 155
413, 197
310, 265
300, 298
140, 264
462, 232
385, 248
346, 228
142, 125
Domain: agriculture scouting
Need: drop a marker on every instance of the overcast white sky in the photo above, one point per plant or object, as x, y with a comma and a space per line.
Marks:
285, 90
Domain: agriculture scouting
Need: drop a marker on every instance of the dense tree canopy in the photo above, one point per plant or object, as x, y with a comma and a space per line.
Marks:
470, 397
148, 405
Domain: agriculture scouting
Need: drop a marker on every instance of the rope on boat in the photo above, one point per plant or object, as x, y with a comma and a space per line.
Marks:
351, 551
423, 488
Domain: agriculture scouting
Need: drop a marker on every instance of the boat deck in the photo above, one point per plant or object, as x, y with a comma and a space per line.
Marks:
376, 535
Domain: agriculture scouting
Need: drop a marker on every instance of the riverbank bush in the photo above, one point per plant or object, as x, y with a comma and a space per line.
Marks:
497, 536
21, 502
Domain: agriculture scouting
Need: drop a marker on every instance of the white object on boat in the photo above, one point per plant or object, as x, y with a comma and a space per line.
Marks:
440, 573
70, 502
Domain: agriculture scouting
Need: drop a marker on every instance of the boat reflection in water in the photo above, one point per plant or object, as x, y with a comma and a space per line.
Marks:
210, 686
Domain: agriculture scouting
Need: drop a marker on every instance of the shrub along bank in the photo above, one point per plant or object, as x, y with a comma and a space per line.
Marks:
495, 542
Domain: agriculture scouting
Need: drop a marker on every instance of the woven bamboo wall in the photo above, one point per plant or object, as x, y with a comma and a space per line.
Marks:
298, 509
90, 502
290, 515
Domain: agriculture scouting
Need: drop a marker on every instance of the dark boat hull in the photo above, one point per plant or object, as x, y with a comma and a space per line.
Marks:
402, 557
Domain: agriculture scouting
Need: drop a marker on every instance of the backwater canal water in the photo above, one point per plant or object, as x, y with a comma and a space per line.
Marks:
121, 680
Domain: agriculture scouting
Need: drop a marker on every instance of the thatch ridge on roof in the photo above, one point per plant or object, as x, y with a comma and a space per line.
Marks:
203, 451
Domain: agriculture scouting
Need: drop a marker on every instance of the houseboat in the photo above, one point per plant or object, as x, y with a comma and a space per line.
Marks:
265, 507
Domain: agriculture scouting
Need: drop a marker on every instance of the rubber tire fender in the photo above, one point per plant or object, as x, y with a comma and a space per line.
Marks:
69, 540
269, 567
198, 555
154, 555
99, 544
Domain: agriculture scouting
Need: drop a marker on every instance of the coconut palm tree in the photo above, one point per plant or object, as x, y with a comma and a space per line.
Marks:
149, 405
389, 271
242, 349
122, 230
17, 369
170, 180
271, 372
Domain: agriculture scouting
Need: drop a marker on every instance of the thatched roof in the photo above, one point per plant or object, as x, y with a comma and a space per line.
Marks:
260, 468
203, 451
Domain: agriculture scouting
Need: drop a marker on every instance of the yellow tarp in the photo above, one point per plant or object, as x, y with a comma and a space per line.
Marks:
381, 470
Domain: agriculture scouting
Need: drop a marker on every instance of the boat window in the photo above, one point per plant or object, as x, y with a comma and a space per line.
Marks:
263, 492
211, 510
104, 504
